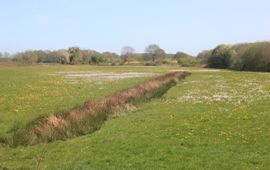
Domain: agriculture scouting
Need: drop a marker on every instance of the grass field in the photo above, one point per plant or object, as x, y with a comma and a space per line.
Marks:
211, 120
27, 92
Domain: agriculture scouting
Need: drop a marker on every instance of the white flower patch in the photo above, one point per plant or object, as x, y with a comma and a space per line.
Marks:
233, 92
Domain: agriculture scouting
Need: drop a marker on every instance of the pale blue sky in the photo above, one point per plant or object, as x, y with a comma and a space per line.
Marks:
107, 25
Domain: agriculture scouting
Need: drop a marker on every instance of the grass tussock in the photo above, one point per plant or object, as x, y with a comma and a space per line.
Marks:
90, 117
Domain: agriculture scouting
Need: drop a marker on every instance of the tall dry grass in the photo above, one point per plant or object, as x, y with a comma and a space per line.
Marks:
86, 119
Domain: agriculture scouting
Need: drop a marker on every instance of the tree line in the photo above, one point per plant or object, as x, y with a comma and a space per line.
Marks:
153, 55
241, 57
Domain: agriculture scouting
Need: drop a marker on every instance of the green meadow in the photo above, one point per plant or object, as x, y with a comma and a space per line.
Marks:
213, 119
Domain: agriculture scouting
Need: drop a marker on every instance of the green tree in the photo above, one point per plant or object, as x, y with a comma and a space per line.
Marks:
111, 58
185, 59
75, 55
203, 57
97, 58
257, 57
154, 53
221, 57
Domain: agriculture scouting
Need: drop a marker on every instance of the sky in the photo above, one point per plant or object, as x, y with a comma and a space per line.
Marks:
107, 25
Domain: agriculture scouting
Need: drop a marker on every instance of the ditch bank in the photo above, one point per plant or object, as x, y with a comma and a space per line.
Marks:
91, 116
